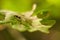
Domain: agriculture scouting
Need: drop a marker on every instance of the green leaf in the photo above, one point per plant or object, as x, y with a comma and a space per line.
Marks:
50, 5
43, 14
48, 22
19, 27
2, 16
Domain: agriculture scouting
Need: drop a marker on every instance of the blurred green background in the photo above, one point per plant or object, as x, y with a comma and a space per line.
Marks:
26, 5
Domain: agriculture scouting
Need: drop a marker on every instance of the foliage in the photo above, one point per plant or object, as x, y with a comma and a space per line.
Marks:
39, 18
